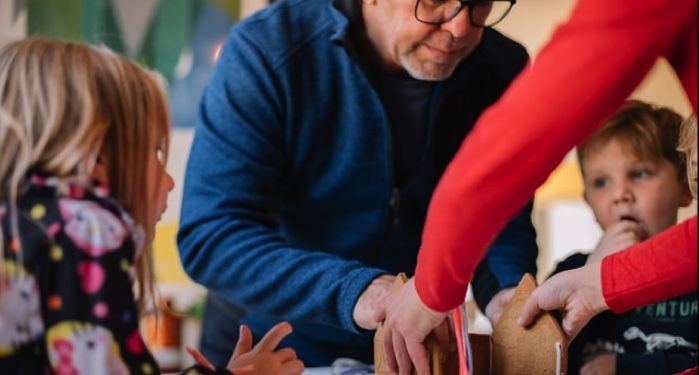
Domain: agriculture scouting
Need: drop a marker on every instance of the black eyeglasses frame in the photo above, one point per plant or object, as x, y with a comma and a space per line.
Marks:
470, 4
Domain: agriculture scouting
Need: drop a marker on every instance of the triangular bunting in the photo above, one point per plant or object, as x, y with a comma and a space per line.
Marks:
230, 7
17, 7
134, 18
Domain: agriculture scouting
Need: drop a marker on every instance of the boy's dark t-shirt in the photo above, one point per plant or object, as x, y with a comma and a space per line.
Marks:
659, 338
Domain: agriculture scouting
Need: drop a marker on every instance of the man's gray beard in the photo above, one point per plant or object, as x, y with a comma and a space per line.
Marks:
420, 74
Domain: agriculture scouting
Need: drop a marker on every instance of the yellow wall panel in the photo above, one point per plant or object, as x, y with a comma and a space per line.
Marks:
168, 268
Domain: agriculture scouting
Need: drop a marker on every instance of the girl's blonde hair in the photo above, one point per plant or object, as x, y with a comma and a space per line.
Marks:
688, 145
63, 105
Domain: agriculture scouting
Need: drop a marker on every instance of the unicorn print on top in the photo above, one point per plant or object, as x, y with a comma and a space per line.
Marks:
79, 348
20, 315
92, 228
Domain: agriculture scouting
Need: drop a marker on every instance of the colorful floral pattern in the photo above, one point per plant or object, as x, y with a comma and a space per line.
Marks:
83, 348
67, 303
20, 315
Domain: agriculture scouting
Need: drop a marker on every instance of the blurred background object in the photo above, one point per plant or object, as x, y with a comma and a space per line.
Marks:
161, 330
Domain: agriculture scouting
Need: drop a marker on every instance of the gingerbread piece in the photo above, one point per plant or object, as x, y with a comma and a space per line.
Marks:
441, 361
541, 348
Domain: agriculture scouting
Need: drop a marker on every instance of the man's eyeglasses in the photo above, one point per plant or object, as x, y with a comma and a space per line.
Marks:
482, 13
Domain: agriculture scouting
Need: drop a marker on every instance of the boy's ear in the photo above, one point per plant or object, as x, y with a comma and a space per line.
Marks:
686, 198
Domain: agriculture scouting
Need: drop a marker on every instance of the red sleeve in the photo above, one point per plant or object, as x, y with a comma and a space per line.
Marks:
590, 66
662, 267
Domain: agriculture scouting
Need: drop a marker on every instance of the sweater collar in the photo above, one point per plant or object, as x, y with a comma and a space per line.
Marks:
348, 20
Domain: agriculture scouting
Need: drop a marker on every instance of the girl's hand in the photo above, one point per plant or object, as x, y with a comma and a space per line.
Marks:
200, 359
263, 359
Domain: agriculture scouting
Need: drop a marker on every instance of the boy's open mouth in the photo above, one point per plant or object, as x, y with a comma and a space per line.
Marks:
630, 218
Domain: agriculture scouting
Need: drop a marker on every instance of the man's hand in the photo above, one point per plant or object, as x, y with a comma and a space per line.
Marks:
497, 305
407, 322
364, 313
263, 359
618, 236
578, 292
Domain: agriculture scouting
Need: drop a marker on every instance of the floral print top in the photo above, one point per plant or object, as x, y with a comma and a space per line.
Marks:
66, 298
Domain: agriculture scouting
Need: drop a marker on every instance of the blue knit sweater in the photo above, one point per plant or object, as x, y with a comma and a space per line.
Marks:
290, 207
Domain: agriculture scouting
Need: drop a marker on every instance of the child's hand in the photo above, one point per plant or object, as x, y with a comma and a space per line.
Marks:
603, 364
618, 236
263, 359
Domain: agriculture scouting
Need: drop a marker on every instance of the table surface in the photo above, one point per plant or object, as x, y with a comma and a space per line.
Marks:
318, 371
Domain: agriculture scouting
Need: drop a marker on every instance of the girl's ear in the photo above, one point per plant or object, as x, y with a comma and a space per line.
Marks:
99, 172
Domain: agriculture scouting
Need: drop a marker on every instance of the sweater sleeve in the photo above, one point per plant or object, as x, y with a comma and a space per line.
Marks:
590, 66
229, 238
511, 255
647, 273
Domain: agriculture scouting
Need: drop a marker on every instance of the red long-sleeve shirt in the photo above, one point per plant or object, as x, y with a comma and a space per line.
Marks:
593, 62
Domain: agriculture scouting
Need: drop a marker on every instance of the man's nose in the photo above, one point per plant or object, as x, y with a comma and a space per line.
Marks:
460, 25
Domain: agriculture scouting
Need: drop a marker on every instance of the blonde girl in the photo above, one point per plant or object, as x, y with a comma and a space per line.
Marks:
84, 137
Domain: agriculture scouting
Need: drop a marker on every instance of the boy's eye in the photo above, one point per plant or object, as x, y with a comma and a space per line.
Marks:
600, 182
640, 173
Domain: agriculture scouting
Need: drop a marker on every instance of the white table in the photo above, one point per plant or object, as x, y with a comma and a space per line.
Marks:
318, 371
341, 365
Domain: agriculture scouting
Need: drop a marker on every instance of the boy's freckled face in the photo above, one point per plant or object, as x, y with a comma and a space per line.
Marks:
621, 186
